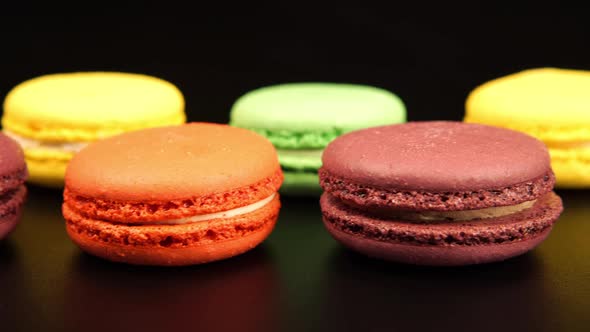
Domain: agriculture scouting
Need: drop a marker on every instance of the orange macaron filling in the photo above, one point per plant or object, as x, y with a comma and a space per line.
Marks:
141, 212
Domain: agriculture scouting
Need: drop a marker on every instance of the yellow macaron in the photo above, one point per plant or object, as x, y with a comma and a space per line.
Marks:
548, 103
54, 116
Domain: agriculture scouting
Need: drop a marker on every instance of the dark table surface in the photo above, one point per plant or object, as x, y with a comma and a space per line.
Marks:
300, 279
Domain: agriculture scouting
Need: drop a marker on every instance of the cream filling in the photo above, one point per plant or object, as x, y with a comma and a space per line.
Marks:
217, 215
302, 153
29, 143
493, 212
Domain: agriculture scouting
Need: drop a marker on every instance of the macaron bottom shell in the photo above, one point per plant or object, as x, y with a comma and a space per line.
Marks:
11, 210
441, 243
572, 173
47, 172
435, 256
172, 245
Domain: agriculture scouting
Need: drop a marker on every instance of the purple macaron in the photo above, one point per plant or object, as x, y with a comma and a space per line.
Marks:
13, 174
438, 193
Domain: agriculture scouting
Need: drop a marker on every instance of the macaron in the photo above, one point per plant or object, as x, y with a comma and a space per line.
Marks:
438, 193
13, 174
548, 103
54, 116
178, 195
300, 119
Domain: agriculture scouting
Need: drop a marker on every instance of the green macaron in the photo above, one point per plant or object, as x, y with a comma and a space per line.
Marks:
300, 119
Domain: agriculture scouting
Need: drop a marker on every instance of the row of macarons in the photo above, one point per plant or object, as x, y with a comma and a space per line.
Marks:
190, 194
425, 193
54, 116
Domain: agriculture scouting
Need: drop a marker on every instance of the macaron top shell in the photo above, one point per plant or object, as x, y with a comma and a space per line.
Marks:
543, 101
13, 170
437, 157
168, 163
74, 103
322, 107
11, 157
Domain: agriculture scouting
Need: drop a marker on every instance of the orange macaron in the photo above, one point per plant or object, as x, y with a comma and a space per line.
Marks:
178, 195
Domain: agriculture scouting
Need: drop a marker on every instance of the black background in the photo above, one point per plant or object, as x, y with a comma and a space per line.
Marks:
430, 56
300, 279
